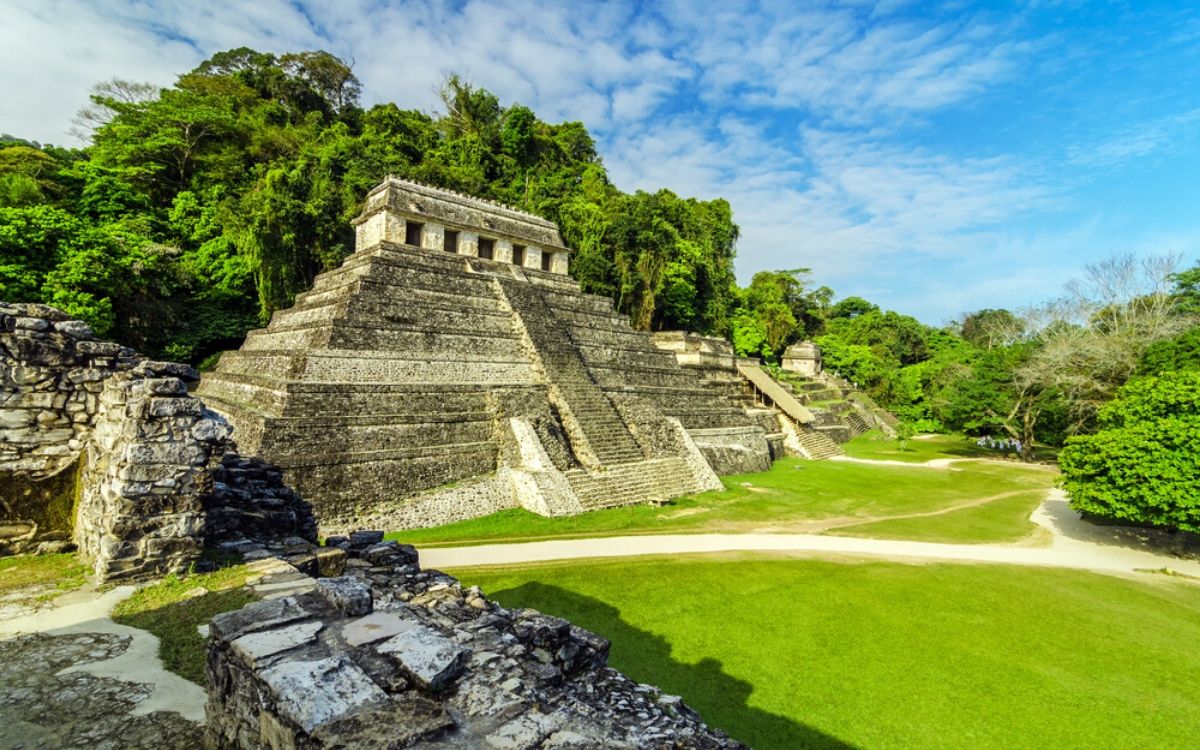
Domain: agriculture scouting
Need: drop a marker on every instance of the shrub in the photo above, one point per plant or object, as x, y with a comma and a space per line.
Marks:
1143, 466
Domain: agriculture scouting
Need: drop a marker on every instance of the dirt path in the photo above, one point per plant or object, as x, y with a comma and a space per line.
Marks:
938, 463
850, 521
933, 463
1069, 548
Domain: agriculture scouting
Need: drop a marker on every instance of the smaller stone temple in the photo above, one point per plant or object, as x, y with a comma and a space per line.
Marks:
803, 359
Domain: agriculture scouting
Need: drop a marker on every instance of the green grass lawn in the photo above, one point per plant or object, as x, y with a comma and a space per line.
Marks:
173, 607
1002, 520
787, 653
793, 496
875, 445
51, 574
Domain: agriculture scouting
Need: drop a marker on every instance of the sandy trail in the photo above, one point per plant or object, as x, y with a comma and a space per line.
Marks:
88, 611
1074, 544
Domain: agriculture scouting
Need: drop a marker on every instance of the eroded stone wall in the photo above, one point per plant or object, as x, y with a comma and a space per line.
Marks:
130, 452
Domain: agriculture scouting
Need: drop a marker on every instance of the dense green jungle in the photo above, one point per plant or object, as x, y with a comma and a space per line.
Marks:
195, 211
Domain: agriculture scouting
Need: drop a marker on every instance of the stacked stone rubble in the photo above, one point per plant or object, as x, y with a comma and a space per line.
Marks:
250, 502
147, 462
128, 450
390, 656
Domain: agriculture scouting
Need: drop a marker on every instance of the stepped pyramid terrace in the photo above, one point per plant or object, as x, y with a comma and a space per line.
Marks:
451, 368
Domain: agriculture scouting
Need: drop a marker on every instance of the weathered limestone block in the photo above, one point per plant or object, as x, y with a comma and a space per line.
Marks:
432, 236
468, 244
347, 596
504, 251
427, 657
734, 450
434, 666
312, 693
256, 648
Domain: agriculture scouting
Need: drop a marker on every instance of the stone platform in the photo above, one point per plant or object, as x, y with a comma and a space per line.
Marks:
389, 655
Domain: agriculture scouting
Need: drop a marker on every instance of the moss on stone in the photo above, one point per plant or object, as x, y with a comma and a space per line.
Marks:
50, 503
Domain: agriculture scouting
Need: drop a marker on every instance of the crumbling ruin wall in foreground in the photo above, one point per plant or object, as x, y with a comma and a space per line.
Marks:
389, 656
104, 450
137, 450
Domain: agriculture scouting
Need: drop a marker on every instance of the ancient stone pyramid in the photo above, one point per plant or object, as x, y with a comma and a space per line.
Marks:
450, 368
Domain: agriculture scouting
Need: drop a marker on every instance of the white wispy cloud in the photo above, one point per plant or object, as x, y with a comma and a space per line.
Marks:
809, 117
1156, 135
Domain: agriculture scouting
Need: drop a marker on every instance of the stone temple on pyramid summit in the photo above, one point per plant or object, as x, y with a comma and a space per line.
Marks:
450, 368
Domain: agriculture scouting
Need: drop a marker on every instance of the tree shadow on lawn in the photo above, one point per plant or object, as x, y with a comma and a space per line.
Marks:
1069, 523
722, 700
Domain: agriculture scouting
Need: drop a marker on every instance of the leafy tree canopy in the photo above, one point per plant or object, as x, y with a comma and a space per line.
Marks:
226, 193
1143, 466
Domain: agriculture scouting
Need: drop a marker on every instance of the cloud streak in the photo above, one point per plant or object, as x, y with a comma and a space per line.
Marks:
830, 126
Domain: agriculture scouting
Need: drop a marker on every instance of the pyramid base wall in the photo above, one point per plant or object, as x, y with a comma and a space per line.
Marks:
735, 450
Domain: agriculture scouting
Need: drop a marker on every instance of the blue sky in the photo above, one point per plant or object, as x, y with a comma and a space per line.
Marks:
935, 158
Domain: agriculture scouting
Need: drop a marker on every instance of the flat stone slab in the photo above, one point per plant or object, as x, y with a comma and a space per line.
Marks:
277, 590
255, 647
375, 627
433, 660
401, 722
252, 618
311, 693
523, 732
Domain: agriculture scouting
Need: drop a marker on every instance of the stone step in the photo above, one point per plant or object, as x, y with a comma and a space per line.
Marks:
592, 411
244, 391
652, 480
439, 451
285, 438
817, 445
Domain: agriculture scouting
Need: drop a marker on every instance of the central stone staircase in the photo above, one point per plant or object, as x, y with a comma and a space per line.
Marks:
597, 432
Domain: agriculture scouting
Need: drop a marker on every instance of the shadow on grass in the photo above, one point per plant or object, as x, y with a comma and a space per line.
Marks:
181, 647
721, 699
1068, 523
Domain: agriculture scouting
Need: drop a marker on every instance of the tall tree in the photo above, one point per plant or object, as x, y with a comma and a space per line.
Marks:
1092, 341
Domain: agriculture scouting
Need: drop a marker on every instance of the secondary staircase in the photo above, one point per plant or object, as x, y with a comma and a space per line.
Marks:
816, 445
650, 481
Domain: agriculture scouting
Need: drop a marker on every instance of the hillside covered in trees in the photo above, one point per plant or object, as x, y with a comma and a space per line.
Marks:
197, 210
